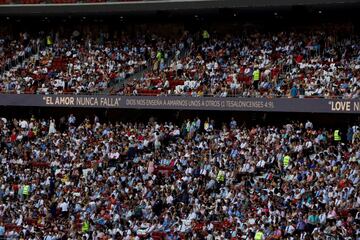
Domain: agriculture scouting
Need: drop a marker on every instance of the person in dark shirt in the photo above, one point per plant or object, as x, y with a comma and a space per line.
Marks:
301, 91
294, 91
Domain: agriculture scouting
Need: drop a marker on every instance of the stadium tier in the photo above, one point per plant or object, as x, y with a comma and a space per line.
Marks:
68, 66
197, 180
251, 64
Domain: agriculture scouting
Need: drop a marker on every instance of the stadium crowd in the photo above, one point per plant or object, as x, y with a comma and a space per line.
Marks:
293, 64
14, 50
83, 65
300, 64
67, 179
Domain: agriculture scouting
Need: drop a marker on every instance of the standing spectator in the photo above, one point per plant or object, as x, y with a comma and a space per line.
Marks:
337, 136
64, 206
52, 126
294, 91
309, 125
256, 78
2, 230
71, 120
350, 134
233, 123
301, 91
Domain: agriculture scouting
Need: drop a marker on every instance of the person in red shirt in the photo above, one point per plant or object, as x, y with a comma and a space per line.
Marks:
13, 137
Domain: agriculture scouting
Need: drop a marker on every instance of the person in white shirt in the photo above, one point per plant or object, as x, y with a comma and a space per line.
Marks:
23, 124
64, 206
308, 125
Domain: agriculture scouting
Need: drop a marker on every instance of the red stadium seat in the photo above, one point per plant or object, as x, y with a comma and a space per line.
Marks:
40, 164
218, 226
165, 170
10, 227
198, 226
174, 83
59, 64
158, 235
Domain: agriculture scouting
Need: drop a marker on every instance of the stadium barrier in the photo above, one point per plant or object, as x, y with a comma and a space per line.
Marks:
309, 105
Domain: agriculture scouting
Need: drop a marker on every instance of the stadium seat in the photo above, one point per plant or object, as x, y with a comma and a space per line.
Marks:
40, 164
165, 170
12, 227
198, 226
158, 236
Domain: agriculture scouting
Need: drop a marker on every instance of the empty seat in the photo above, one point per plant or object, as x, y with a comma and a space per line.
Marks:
158, 235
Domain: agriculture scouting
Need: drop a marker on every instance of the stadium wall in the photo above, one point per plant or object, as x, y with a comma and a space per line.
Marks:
309, 105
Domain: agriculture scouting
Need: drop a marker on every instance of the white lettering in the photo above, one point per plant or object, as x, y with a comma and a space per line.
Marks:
357, 106
49, 101
341, 106
87, 101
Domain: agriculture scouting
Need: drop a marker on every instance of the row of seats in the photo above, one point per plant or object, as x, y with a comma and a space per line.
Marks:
198, 227
149, 92
59, 64
172, 83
